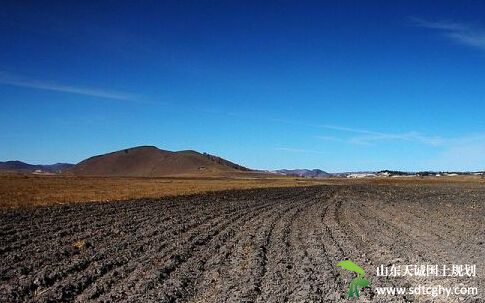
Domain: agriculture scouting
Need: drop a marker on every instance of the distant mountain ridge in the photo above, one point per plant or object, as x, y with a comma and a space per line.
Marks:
150, 161
19, 166
309, 173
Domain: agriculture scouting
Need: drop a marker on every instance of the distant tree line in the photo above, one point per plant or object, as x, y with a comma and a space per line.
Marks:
427, 173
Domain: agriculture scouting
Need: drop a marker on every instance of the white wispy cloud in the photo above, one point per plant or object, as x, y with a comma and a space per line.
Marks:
343, 134
411, 136
367, 137
330, 138
16, 80
460, 153
298, 150
364, 136
458, 32
464, 152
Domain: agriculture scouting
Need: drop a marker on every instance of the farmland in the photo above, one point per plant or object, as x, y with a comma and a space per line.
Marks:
252, 245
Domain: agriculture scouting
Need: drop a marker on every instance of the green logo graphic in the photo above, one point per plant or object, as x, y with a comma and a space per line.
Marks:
357, 283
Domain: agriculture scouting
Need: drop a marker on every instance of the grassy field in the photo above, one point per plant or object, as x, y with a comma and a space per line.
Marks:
17, 190
29, 190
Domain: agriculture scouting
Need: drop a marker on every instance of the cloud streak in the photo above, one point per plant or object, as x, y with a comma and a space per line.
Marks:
458, 32
365, 136
361, 136
298, 150
408, 136
14, 80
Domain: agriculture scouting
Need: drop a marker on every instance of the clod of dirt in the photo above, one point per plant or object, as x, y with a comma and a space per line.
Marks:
81, 244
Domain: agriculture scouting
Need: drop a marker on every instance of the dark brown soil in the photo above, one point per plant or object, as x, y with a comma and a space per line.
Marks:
263, 245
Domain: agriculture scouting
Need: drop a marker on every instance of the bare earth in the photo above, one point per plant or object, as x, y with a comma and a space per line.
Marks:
27, 190
256, 245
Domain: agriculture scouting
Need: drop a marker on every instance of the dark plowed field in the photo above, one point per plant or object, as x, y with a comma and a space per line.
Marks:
266, 245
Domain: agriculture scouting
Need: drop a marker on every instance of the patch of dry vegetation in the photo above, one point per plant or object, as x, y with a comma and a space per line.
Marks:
17, 190
28, 190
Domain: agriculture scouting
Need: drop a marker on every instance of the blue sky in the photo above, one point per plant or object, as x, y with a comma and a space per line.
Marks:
269, 85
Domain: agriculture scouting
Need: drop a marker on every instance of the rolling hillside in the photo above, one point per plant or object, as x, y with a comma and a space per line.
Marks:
150, 161
22, 167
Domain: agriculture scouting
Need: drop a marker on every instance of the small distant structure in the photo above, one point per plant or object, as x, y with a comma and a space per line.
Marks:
384, 174
42, 172
361, 175
451, 174
394, 173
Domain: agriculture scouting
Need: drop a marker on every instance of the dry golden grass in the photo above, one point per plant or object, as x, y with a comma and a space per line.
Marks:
18, 190
30, 190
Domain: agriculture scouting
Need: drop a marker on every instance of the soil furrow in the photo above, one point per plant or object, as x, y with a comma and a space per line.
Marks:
260, 245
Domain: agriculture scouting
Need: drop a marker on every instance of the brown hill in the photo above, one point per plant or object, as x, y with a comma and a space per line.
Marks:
149, 161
